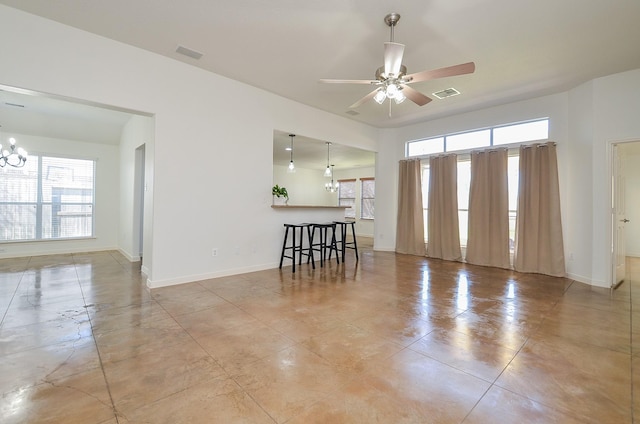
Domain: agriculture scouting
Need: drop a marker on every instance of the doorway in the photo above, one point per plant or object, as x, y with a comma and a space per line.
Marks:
625, 208
138, 201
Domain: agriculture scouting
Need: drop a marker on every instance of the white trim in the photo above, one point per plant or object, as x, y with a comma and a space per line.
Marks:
609, 237
199, 277
585, 280
129, 257
58, 252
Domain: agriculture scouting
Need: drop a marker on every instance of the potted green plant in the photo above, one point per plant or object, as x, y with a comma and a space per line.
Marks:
280, 194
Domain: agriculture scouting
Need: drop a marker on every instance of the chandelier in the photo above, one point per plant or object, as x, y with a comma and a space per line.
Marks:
331, 187
14, 157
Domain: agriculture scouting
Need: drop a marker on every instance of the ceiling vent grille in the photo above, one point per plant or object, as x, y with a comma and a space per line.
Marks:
188, 52
448, 92
352, 112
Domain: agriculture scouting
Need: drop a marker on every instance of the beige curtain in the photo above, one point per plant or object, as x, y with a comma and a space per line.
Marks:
539, 246
488, 241
443, 230
410, 226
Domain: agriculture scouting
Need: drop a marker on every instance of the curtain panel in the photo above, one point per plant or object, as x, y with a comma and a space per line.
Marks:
539, 245
488, 239
410, 224
443, 230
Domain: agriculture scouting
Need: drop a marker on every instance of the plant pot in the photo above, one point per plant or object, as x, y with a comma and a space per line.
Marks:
280, 201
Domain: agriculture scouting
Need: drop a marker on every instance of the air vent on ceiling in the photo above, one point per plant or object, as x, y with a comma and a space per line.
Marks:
352, 112
188, 52
448, 92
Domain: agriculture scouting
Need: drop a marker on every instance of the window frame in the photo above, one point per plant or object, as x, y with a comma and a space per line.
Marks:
416, 144
41, 206
363, 198
352, 205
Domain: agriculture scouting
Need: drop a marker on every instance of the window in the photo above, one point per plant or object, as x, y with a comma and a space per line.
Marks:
347, 197
464, 186
505, 134
469, 140
367, 197
49, 198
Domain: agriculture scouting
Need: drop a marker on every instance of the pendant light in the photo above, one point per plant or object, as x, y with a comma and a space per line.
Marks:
327, 172
292, 167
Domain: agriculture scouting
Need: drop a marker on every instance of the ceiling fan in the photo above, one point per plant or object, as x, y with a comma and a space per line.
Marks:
392, 79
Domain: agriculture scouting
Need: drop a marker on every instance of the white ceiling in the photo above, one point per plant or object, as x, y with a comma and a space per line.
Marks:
25, 112
522, 49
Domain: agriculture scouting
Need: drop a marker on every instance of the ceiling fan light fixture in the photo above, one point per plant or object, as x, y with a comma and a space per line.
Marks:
400, 97
380, 96
392, 91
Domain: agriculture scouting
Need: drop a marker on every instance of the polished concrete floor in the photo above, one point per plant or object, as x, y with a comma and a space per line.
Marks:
393, 339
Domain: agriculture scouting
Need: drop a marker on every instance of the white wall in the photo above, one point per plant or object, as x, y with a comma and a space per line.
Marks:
305, 186
106, 200
137, 132
212, 153
632, 204
578, 206
616, 102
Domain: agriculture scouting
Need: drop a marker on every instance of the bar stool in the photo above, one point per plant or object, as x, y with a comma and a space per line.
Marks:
297, 245
324, 242
344, 244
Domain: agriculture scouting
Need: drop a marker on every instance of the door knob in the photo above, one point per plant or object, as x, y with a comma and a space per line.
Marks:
624, 220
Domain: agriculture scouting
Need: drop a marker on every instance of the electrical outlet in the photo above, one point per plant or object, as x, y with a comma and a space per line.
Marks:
214, 252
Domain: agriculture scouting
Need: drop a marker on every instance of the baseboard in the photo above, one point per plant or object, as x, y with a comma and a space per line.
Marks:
79, 250
199, 277
129, 257
585, 280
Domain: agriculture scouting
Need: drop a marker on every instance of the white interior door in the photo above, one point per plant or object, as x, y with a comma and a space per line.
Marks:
618, 215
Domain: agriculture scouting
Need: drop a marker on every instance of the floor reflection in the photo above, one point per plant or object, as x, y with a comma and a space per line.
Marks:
392, 338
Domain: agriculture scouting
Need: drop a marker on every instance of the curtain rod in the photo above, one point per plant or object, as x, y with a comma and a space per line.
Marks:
526, 146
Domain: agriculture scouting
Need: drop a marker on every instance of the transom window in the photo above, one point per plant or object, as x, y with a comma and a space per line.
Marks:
469, 140
49, 198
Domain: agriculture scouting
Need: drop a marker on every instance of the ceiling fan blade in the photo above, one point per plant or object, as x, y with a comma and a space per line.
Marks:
393, 53
450, 71
337, 81
364, 99
414, 95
